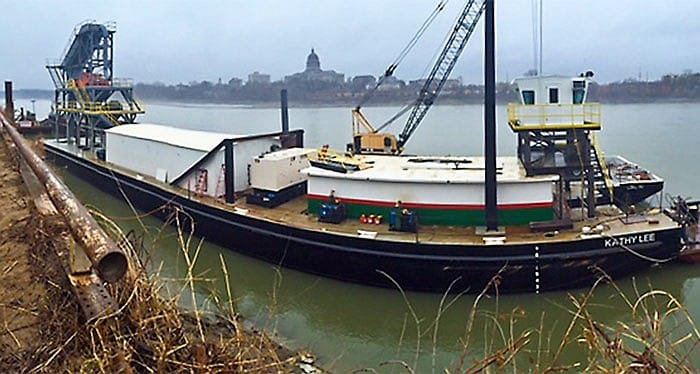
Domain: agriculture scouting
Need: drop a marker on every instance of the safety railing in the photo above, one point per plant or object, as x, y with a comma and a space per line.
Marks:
72, 37
554, 116
122, 82
99, 108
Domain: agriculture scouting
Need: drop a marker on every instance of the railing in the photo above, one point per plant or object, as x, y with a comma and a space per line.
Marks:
111, 26
53, 62
76, 30
122, 82
603, 166
554, 116
110, 110
99, 108
326, 155
91, 107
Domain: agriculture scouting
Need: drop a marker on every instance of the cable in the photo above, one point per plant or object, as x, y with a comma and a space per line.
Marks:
418, 34
397, 115
404, 52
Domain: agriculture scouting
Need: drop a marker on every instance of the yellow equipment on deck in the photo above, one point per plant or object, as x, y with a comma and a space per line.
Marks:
367, 140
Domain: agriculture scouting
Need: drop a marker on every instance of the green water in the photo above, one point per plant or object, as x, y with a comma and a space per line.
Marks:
350, 326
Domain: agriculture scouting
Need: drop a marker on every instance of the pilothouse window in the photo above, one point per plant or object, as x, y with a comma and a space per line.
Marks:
579, 92
528, 97
553, 95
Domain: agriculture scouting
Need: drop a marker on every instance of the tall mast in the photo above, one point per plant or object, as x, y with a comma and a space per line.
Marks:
490, 118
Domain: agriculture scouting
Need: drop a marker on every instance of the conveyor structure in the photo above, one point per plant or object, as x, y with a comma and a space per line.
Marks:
88, 99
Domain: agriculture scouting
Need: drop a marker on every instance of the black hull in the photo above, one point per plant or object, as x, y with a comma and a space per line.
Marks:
413, 265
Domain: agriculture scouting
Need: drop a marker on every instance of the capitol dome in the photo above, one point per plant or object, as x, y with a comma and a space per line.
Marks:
312, 62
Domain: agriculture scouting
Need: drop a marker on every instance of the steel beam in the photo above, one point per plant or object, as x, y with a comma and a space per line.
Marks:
490, 119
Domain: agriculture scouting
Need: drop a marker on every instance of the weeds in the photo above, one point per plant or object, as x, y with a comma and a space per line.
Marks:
658, 335
149, 333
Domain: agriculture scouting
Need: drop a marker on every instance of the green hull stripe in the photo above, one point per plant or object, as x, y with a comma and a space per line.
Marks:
449, 217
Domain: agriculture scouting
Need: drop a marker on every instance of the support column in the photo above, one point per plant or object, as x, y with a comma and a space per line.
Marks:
490, 118
228, 172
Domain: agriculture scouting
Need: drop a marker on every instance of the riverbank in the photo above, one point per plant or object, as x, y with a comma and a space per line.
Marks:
43, 330
25, 245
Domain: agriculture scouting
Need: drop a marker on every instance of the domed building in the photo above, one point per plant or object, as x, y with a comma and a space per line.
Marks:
313, 72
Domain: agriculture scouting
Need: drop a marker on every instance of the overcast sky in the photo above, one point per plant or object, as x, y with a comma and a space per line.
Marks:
183, 41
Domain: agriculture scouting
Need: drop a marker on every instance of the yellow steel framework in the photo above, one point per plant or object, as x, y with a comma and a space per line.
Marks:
86, 106
549, 117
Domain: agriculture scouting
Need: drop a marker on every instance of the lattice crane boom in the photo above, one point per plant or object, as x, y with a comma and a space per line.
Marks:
454, 46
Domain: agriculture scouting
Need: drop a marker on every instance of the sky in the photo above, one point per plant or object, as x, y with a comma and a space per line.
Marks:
182, 41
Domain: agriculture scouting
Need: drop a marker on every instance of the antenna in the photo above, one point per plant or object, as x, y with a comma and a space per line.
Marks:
537, 36
540, 21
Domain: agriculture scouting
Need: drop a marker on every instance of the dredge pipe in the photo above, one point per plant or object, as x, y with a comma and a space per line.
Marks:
106, 257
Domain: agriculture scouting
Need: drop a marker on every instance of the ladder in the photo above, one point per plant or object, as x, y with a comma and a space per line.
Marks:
201, 187
221, 185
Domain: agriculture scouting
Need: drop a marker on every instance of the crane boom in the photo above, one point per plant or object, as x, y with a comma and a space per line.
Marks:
461, 33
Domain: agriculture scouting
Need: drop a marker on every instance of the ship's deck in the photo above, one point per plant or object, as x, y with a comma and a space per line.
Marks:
417, 169
294, 213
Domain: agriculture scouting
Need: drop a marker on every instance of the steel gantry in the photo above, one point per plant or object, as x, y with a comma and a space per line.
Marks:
87, 97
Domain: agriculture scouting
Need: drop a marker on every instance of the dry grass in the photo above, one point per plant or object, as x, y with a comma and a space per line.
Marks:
149, 333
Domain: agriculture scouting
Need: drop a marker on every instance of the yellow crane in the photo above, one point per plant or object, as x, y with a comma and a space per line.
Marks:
370, 140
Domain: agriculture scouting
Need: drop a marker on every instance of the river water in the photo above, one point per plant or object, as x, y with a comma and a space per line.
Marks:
351, 327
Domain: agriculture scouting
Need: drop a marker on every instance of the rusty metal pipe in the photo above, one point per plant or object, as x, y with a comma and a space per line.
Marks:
106, 257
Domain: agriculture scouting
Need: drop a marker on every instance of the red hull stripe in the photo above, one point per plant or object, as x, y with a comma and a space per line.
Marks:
433, 206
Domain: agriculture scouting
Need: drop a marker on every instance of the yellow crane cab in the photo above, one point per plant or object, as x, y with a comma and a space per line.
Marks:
366, 139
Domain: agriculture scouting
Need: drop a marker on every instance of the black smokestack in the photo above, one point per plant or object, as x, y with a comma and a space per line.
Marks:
285, 113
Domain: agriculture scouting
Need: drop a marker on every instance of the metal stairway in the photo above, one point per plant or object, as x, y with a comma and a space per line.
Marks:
602, 182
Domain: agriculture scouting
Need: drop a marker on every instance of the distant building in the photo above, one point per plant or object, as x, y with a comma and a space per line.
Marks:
450, 84
392, 83
258, 78
363, 82
235, 82
313, 73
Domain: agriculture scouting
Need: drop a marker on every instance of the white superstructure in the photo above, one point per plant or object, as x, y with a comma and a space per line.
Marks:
169, 154
435, 180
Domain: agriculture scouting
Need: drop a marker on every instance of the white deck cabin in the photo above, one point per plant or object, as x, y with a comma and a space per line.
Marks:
553, 102
166, 153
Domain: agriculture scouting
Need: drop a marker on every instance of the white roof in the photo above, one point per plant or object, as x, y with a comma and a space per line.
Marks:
433, 170
184, 138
